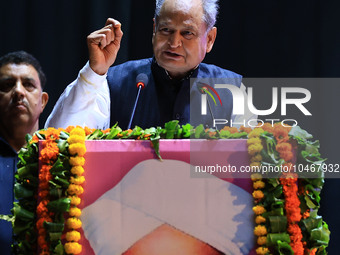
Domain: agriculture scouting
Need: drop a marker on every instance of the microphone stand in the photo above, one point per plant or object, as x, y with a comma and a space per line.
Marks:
134, 107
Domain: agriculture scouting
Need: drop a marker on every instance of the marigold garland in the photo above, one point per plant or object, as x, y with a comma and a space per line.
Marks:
72, 151
48, 156
254, 149
277, 137
77, 149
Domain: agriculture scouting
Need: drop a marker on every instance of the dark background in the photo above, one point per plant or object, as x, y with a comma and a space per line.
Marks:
260, 39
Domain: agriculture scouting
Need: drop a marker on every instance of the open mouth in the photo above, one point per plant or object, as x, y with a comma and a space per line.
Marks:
173, 55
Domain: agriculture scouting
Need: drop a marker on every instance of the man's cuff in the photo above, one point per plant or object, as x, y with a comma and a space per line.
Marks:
91, 77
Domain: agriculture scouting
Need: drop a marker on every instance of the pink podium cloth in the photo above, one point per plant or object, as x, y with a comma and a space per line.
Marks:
107, 162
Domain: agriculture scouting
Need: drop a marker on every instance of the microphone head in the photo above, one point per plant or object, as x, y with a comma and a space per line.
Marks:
142, 80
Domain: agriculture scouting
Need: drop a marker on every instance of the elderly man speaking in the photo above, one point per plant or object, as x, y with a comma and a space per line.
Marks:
183, 33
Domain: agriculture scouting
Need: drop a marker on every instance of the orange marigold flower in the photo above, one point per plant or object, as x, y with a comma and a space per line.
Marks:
43, 185
77, 170
43, 193
281, 147
285, 150
245, 129
52, 134
77, 161
41, 208
268, 127
258, 194
89, 131
108, 130
254, 148
259, 185
256, 177
77, 131
69, 129
76, 139
260, 219
256, 158
253, 140
74, 189
261, 240
260, 230
211, 134
281, 133
256, 132
77, 149
75, 200
306, 215
73, 248
34, 139
259, 209
75, 212
73, 236
73, 223
40, 222
77, 180
262, 251
42, 241
232, 130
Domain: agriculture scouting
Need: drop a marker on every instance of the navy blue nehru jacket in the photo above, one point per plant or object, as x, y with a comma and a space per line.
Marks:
165, 99
8, 166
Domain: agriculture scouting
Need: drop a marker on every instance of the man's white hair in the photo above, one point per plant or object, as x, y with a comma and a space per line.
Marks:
210, 11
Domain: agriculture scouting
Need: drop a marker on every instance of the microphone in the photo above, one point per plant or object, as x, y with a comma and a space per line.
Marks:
141, 82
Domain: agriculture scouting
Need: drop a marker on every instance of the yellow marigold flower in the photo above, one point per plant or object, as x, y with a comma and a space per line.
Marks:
259, 185
254, 148
75, 212
73, 236
73, 223
256, 158
77, 180
260, 219
77, 149
77, 170
256, 132
259, 209
261, 240
77, 131
75, 200
76, 139
255, 166
258, 194
72, 248
256, 177
262, 251
253, 140
77, 161
74, 189
260, 230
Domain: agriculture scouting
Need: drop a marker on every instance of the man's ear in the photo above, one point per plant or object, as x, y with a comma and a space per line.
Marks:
211, 36
44, 100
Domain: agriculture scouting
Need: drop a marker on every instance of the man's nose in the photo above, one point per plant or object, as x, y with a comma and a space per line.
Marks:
19, 89
175, 40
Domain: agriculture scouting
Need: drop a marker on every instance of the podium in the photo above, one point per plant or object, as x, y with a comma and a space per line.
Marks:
108, 162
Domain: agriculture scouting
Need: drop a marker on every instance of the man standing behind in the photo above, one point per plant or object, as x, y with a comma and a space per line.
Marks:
22, 100
183, 33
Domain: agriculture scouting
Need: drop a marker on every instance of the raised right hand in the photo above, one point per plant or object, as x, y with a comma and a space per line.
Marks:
103, 46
